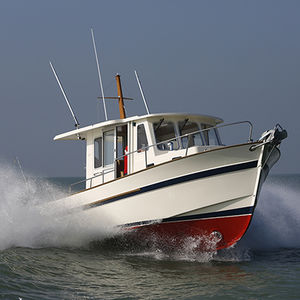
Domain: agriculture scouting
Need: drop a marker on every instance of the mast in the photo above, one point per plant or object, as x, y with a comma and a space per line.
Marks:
120, 98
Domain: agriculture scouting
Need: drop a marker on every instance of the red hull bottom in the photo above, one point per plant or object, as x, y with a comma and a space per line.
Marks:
212, 234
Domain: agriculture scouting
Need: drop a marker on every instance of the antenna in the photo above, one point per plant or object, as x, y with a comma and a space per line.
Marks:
99, 74
141, 90
64, 94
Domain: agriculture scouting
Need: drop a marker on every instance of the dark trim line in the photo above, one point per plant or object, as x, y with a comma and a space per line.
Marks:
174, 181
226, 213
170, 161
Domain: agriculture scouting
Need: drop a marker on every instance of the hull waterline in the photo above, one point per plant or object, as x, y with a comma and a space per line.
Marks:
211, 234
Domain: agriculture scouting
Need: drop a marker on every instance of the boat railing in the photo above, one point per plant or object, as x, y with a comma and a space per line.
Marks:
102, 173
189, 137
146, 148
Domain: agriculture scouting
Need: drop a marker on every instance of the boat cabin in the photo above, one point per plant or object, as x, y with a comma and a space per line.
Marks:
120, 147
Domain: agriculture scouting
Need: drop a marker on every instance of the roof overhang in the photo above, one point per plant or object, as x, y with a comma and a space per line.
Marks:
81, 133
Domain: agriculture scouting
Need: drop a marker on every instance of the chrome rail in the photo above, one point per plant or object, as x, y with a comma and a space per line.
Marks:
146, 148
188, 135
102, 173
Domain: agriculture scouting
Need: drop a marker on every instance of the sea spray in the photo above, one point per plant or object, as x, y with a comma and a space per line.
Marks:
276, 220
190, 249
29, 218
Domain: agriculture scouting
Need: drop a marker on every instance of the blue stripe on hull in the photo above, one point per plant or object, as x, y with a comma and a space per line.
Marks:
177, 180
226, 213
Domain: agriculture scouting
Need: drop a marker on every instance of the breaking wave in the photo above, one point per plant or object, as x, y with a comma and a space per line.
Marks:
26, 222
276, 221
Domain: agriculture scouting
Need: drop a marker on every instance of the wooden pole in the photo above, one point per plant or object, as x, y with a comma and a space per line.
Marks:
120, 96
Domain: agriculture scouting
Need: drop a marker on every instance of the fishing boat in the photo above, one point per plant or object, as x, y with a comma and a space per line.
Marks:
170, 175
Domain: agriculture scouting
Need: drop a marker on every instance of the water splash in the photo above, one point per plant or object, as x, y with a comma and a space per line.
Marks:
157, 247
24, 222
276, 221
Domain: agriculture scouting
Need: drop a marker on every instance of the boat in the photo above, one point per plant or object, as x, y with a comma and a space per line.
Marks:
169, 175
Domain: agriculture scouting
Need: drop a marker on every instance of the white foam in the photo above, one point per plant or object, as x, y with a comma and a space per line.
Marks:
24, 222
276, 221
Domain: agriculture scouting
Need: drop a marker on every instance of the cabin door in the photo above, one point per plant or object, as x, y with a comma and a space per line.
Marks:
121, 167
108, 155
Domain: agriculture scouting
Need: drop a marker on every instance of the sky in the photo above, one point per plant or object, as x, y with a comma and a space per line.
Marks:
238, 60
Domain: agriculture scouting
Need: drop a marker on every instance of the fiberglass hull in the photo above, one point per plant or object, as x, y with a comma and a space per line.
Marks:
209, 194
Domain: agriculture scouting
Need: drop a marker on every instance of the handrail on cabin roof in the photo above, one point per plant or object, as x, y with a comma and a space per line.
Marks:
193, 133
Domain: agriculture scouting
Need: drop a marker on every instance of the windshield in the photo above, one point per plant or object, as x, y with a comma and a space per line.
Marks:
165, 131
210, 135
186, 127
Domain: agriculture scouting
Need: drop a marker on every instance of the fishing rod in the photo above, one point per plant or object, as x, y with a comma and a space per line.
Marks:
99, 74
65, 96
141, 90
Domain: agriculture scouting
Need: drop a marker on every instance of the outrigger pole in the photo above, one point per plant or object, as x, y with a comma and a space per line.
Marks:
65, 96
99, 74
141, 90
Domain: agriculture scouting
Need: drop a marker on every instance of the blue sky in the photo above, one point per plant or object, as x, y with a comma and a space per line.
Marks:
239, 60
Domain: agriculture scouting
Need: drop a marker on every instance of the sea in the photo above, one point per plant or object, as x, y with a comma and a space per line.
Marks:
46, 256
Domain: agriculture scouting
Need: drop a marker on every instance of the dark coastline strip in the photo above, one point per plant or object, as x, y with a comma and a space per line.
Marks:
174, 181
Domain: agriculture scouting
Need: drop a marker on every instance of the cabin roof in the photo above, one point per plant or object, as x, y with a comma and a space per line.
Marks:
82, 132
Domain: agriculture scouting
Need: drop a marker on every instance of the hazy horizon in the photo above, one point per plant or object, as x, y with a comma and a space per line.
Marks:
235, 60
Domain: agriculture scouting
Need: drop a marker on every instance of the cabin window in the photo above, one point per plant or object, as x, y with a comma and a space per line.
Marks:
210, 135
165, 131
186, 127
98, 152
108, 147
142, 141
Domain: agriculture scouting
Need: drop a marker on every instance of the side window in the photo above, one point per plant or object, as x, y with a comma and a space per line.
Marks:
98, 152
186, 127
108, 147
141, 137
165, 131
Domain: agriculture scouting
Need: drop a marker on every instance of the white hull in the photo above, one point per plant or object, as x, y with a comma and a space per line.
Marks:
213, 181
